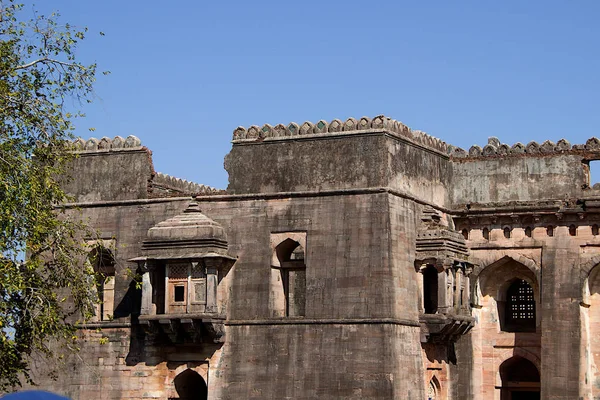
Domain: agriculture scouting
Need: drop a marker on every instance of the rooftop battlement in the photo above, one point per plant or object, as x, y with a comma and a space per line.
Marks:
591, 149
91, 145
182, 186
337, 127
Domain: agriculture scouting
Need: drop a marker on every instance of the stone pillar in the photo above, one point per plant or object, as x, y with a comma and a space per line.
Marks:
466, 294
421, 289
147, 306
458, 285
108, 298
211, 284
444, 303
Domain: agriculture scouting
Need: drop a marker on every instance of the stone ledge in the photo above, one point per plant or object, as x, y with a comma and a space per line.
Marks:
324, 321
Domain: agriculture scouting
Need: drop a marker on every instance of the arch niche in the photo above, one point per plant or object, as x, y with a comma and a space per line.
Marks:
287, 294
103, 263
520, 379
507, 286
190, 386
591, 324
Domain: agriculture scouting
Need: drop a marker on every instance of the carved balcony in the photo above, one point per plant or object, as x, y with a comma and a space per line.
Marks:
444, 328
183, 264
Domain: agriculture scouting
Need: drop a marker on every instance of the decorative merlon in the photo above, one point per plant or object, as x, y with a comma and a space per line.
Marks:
106, 144
351, 125
496, 149
181, 185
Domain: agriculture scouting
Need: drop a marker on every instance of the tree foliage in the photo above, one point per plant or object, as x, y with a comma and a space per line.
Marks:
42, 86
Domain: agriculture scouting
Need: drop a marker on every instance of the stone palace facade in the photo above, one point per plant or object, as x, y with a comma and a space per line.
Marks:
353, 259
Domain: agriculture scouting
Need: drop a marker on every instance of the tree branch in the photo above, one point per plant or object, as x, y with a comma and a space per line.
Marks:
46, 60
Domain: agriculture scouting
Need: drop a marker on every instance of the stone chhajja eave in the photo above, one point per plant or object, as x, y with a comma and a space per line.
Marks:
441, 244
495, 149
553, 211
438, 244
336, 127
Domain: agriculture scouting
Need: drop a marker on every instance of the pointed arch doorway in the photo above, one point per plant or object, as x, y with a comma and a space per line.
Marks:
520, 379
190, 386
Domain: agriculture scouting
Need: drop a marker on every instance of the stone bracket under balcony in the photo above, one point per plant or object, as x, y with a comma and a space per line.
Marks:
444, 328
184, 328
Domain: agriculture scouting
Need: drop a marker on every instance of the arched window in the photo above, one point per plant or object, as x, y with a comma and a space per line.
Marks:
528, 231
595, 230
507, 232
520, 307
572, 230
486, 233
190, 386
433, 389
430, 289
291, 277
103, 262
465, 233
550, 230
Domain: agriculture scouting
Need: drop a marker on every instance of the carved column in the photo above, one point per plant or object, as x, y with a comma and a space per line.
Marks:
458, 291
420, 279
147, 306
444, 303
211, 284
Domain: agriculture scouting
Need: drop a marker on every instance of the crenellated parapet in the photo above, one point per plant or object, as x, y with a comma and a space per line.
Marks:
106, 144
496, 149
337, 127
165, 182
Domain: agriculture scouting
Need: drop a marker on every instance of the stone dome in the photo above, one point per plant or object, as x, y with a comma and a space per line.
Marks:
190, 225
189, 235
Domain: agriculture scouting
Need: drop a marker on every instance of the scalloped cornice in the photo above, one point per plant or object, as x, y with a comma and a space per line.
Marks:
335, 127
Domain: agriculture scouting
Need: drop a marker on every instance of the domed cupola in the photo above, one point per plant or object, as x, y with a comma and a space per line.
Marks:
184, 259
189, 235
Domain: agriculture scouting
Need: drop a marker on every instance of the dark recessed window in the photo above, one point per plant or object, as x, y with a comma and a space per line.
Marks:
486, 233
573, 230
520, 307
550, 231
507, 232
595, 230
179, 293
430, 289
465, 233
528, 232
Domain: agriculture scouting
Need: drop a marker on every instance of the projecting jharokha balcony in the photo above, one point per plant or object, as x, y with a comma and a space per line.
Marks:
442, 260
183, 263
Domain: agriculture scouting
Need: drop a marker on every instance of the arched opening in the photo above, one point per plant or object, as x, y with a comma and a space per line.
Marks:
520, 379
528, 231
433, 389
430, 289
572, 230
591, 326
103, 263
595, 230
486, 233
519, 313
190, 386
465, 233
290, 277
509, 292
550, 231
507, 232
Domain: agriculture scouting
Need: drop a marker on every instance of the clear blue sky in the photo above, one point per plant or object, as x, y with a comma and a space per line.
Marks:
186, 73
